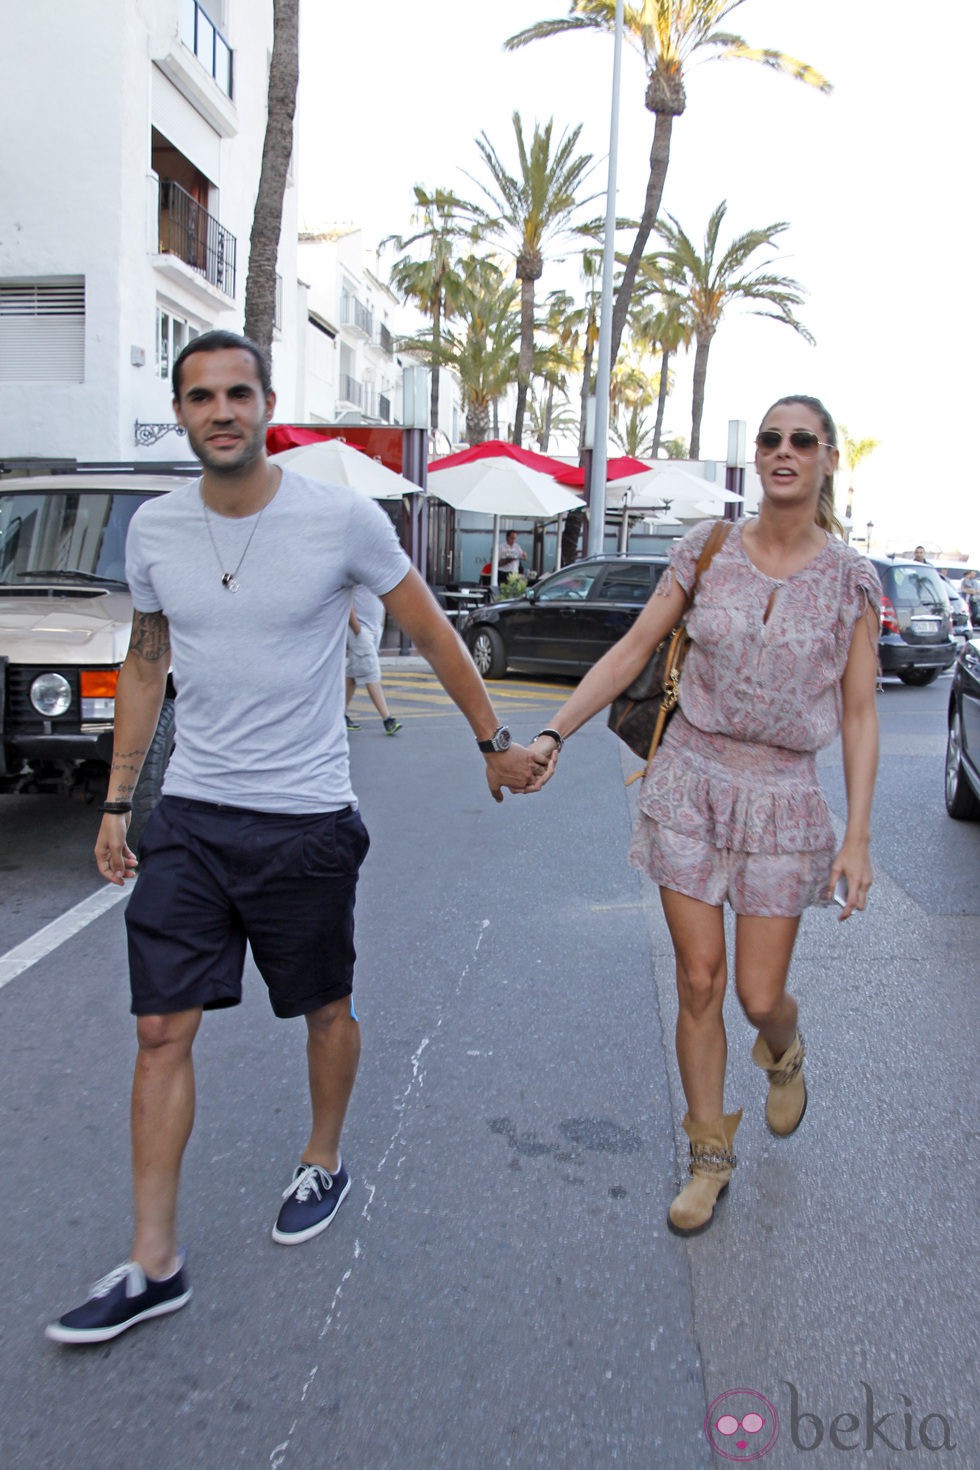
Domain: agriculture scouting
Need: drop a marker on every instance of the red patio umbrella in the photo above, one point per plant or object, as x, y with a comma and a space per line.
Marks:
499, 448
616, 469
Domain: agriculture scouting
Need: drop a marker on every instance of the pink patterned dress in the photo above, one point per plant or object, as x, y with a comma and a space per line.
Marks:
731, 806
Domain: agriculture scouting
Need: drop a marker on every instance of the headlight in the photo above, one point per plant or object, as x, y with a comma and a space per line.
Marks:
50, 694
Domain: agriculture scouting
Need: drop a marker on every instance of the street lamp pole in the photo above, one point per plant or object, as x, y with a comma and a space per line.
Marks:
597, 480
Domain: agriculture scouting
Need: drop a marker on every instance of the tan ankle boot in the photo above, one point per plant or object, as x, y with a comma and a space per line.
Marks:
786, 1102
710, 1166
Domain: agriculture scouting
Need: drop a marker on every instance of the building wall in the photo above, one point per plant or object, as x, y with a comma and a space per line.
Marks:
82, 87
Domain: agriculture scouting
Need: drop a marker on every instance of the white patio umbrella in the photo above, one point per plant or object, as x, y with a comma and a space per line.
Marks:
687, 493
501, 487
333, 462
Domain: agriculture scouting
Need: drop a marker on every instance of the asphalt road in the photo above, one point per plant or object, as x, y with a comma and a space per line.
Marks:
499, 1290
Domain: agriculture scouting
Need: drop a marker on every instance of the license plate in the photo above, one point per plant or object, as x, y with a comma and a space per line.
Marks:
926, 625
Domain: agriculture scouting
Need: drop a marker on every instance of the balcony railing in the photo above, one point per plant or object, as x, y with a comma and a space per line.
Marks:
350, 390
385, 341
194, 236
354, 313
200, 35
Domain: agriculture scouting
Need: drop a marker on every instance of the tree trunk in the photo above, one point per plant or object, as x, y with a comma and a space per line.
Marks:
525, 357
586, 390
260, 286
545, 437
658, 427
477, 423
659, 159
570, 535
436, 345
697, 397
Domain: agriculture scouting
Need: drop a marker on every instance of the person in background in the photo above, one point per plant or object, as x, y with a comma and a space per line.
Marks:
510, 554
731, 808
364, 629
919, 554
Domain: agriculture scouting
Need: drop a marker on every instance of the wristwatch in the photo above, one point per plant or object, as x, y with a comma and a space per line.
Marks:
558, 739
499, 742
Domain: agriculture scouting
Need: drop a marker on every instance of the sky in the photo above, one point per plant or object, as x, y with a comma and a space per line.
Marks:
875, 181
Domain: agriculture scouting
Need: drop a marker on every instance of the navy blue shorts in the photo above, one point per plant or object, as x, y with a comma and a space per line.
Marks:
212, 878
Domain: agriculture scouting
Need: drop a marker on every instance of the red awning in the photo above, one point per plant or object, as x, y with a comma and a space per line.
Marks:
616, 469
499, 448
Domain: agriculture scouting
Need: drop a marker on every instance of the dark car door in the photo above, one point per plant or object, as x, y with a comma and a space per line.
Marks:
615, 604
543, 633
969, 676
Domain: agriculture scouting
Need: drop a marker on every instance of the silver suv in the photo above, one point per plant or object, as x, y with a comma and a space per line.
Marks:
65, 618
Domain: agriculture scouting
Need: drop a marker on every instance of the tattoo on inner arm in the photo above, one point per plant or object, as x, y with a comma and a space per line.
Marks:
150, 638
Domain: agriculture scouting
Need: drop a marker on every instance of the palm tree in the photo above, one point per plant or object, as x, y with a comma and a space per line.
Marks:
433, 283
529, 208
553, 361
711, 281
668, 34
277, 150
854, 451
482, 350
662, 324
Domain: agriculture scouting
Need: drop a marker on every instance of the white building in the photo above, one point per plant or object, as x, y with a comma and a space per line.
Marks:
351, 368
133, 139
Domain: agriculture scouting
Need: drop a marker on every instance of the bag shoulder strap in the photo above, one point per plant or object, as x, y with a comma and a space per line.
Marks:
714, 541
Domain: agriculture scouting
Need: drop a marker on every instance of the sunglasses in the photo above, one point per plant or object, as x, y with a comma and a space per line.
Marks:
804, 441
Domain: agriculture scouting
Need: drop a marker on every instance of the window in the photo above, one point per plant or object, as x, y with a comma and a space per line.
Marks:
42, 330
173, 335
626, 584
576, 583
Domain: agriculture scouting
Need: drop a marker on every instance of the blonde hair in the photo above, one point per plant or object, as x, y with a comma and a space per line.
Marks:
826, 516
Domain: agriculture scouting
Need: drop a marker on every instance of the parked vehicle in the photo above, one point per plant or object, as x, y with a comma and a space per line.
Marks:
65, 618
915, 641
963, 737
958, 608
566, 621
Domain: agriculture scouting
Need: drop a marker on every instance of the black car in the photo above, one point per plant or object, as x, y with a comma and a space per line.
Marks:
963, 739
915, 641
567, 621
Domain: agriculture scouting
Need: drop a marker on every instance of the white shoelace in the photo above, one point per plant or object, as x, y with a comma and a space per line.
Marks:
120, 1273
309, 1177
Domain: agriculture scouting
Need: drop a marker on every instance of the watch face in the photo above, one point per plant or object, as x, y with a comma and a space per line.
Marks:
501, 740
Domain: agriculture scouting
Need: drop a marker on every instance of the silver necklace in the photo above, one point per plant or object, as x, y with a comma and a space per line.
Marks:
229, 580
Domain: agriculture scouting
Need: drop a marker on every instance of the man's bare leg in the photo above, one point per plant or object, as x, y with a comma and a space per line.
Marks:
162, 1118
333, 1050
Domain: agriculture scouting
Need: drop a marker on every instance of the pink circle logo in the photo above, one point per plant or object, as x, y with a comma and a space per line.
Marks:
741, 1425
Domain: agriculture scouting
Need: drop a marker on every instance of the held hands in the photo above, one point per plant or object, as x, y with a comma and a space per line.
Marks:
853, 864
113, 857
521, 769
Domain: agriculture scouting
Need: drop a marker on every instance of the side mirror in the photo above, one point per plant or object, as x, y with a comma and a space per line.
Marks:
531, 594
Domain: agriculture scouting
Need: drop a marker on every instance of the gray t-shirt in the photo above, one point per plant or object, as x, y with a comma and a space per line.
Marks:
259, 673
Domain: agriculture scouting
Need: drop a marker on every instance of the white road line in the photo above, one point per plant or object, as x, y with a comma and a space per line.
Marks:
22, 956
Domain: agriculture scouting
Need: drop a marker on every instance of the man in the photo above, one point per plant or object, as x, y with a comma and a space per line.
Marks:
919, 554
365, 627
242, 583
509, 555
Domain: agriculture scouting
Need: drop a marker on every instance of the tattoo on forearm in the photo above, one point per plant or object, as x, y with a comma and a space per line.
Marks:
124, 772
150, 637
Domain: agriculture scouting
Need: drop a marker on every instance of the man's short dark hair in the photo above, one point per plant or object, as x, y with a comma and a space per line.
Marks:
222, 342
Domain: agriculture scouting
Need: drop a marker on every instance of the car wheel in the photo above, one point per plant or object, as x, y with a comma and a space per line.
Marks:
150, 783
961, 799
919, 677
488, 653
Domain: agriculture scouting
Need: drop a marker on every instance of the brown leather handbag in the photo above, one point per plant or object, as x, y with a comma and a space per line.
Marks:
640, 714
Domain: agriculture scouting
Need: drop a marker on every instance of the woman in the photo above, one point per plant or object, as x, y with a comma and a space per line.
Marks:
783, 654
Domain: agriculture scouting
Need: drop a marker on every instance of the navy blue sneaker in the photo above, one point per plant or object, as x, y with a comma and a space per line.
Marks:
120, 1300
310, 1203
351, 724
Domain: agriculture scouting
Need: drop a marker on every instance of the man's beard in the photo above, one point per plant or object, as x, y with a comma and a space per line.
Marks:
249, 452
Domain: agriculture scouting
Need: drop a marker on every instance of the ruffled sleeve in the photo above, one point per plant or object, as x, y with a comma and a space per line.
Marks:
860, 589
683, 558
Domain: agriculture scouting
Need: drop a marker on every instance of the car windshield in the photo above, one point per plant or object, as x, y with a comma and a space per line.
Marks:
575, 583
917, 587
75, 535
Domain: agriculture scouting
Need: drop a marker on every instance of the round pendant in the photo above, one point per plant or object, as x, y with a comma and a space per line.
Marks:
228, 582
